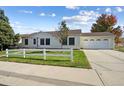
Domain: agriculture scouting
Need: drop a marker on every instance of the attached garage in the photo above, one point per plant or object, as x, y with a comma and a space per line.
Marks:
96, 43
97, 40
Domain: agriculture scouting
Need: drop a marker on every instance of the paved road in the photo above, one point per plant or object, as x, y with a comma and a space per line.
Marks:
28, 74
109, 65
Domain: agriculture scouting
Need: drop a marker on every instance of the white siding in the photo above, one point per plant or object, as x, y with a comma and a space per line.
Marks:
79, 42
54, 42
97, 44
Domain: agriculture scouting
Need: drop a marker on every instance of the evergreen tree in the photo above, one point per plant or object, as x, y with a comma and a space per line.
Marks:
7, 35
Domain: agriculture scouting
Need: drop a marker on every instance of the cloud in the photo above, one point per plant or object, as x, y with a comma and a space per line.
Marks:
88, 13
16, 24
119, 9
21, 28
72, 7
48, 14
114, 10
98, 9
26, 11
42, 14
84, 18
52, 15
108, 10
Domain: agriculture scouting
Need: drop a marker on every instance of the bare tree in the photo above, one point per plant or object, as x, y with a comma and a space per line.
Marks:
62, 33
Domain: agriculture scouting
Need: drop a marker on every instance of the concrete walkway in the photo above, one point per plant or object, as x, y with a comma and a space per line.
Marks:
109, 64
28, 74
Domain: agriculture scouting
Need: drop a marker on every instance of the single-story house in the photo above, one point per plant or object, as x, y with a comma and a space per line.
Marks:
76, 39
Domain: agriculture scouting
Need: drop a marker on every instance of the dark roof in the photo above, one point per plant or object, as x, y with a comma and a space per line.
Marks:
97, 34
71, 32
24, 35
75, 32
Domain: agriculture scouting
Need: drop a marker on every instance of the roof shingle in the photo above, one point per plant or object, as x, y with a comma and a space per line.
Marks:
72, 33
97, 34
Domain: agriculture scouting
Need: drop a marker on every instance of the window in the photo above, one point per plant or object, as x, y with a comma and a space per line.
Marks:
34, 41
42, 41
91, 39
98, 40
71, 41
85, 39
47, 41
26, 41
64, 42
105, 39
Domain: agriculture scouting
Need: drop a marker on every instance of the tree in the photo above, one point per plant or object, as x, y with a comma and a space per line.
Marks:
62, 34
3, 17
118, 33
103, 23
16, 39
106, 23
7, 35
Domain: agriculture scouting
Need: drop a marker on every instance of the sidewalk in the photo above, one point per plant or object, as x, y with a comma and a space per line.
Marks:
28, 74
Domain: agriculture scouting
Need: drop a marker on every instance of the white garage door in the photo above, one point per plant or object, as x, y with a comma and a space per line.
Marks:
96, 44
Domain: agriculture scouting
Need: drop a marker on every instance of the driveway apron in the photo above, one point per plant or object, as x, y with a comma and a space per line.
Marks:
109, 65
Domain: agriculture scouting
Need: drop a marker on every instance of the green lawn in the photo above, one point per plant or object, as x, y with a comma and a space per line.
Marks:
80, 60
2, 53
119, 49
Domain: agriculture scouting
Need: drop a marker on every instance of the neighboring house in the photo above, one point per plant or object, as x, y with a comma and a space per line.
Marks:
76, 40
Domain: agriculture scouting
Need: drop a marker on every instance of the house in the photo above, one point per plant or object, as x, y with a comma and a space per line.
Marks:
76, 40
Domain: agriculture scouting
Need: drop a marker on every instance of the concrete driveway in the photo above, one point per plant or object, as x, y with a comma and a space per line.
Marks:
109, 65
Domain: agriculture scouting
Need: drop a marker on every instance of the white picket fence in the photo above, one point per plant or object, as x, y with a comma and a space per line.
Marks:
22, 52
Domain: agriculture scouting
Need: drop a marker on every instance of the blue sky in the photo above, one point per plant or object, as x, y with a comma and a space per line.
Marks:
29, 19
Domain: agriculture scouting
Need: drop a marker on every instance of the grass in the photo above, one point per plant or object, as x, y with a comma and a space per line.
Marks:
80, 60
120, 48
2, 53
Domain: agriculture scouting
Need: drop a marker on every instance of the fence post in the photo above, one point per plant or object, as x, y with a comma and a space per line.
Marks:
24, 53
71, 55
44, 54
6, 52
